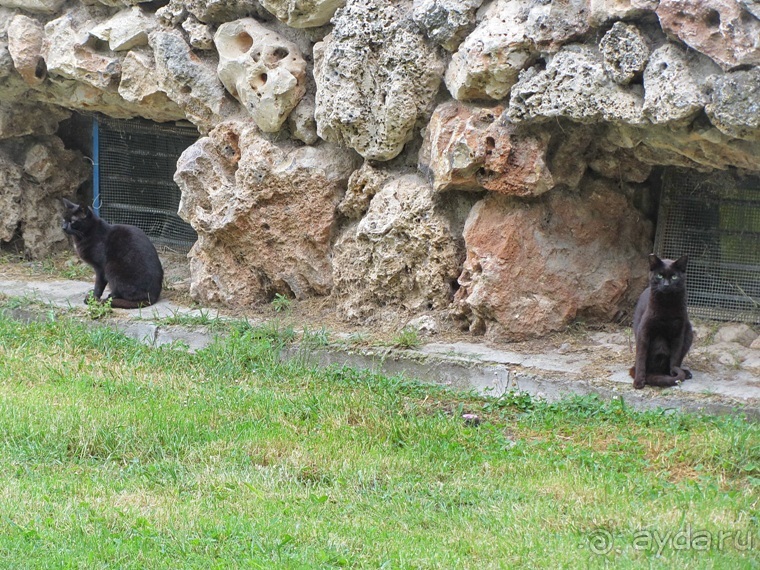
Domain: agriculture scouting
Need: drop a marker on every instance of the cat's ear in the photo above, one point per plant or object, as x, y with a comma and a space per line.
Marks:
681, 262
70, 205
654, 262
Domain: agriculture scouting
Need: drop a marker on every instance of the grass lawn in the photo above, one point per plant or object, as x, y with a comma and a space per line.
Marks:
114, 455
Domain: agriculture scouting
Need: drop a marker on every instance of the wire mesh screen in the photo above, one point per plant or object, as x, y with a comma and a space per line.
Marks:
715, 219
137, 161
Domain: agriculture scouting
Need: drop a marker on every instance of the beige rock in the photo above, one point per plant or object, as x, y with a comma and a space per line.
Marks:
362, 187
37, 6
532, 268
68, 53
126, 29
262, 70
734, 107
402, 256
140, 86
620, 165
32, 190
376, 78
755, 344
199, 34
301, 121
446, 22
690, 147
625, 52
603, 11
470, 148
190, 80
720, 29
675, 84
265, 215
303, 13
25, 36
736, 332
27, 118
575, 86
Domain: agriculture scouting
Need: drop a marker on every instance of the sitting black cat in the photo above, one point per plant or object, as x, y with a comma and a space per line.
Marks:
121, 255
661, 326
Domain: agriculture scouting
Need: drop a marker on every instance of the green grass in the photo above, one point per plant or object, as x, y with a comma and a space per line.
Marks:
114, 455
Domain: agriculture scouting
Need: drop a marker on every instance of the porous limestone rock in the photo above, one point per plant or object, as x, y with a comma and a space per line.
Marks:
126, 29
140, 86
376, 79
303, 13
262, 70
675, 84
511, 36
620, 165
69, 53
720, 29
363, 184
265, 214
403, 256
29, 118
564, 257
625, 52
735, 104
575, 86
221, 11
700, 146
25, 36
301, 121
446, 22
32, 189
199, 34
190, 79
603, 11
468, 147
37, 6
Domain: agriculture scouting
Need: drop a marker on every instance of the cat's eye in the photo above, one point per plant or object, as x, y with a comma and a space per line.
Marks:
674, 278
659, 276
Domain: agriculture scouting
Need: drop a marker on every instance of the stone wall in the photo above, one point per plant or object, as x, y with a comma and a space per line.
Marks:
483, 160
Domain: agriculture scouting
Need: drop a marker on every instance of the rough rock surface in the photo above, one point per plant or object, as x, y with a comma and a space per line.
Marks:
735, 104
25, 36
36, 173
575, 86
446, 22
403, 255
720, 29
188, 80
675, 84
376, 79
471, 148
625, 52
549, 104
265, 215
561, 258
262, 70
303, 13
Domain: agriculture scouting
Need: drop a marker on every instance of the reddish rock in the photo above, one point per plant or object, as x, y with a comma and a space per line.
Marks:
720, 29
473, 148
532, 268
25, 37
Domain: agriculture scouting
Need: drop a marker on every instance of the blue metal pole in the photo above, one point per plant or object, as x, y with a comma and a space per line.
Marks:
95, 166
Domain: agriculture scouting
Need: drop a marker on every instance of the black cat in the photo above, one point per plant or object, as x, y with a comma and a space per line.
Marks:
121, 255
661, 326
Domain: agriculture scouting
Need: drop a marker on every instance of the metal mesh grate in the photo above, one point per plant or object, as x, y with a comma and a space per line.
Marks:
715, 219
137, 161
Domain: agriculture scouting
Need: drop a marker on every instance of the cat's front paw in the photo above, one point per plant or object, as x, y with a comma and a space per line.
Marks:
91, 298
687, 373
639, 383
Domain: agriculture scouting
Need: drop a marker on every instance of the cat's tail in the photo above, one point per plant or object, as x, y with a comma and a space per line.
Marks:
127, 304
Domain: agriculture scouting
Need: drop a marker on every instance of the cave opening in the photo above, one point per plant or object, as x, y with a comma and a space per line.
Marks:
715, 219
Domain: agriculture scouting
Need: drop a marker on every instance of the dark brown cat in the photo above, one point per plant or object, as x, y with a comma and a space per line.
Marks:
122, 256
661, 326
